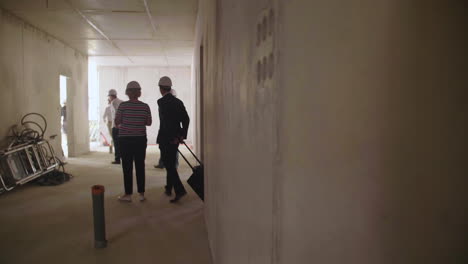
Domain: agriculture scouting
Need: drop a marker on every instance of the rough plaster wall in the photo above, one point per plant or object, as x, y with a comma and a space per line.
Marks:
373, 119
30, 64
148, 77
373, 132
238, 138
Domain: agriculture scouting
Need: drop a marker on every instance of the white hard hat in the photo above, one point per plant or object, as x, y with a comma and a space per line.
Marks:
133, 85
165, 81
112, 92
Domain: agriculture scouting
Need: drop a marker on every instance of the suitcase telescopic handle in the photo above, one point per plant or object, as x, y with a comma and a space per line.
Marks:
195, 156
186, 160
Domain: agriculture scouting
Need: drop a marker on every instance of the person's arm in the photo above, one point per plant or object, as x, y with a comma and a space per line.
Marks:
185, 120
149, 119
160, 113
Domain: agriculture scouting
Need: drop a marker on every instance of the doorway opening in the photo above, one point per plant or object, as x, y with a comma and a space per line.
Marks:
63, 114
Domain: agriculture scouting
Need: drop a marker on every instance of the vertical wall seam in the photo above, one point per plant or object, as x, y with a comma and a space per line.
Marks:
277, 176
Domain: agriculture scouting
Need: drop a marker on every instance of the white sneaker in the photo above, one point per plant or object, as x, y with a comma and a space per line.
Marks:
142, 197
125, 198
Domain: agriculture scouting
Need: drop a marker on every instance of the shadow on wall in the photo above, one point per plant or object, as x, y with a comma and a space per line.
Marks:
425, 176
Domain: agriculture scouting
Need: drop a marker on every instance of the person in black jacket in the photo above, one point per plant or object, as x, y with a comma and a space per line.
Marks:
160, 164
173, 127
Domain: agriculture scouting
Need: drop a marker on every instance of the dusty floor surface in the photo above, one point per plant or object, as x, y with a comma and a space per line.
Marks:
54, 224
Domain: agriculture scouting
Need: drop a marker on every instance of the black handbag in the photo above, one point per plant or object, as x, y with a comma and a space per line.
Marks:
196, 181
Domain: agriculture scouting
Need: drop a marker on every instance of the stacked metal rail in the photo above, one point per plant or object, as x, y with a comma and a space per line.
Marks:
28, 156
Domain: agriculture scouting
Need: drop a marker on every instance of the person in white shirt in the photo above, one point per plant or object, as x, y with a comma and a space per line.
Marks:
107, 118
114, 105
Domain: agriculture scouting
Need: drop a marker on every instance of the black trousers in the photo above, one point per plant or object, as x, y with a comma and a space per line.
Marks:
115, 138
168, 155
160, 161
133, 150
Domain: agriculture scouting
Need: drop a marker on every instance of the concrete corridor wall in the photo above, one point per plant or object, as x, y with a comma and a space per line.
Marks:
238, 133
374, 132
31, 62
355, 153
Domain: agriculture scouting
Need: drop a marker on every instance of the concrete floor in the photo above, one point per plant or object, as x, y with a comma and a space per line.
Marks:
54, 224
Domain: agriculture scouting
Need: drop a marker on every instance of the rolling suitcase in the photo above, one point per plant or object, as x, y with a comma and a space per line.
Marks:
196, 180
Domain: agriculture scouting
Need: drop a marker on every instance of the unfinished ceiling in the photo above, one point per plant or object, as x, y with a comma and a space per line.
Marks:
123, 32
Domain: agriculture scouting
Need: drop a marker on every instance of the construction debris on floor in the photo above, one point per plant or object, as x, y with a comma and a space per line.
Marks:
30, 157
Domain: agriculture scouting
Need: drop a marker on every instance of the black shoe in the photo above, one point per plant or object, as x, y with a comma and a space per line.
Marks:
177, 197
115, 162
168, 192
158, 166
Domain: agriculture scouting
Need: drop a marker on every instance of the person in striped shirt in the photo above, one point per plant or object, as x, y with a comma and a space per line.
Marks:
132, 118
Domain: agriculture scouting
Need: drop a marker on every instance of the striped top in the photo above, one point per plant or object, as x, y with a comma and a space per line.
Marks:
133, 117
